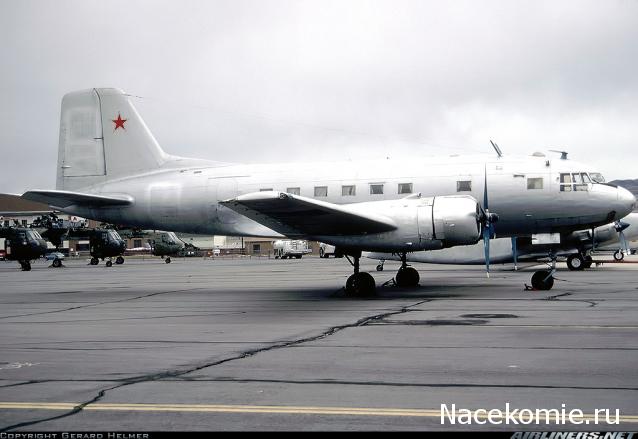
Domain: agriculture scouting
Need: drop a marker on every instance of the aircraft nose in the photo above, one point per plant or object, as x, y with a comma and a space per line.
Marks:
627, 199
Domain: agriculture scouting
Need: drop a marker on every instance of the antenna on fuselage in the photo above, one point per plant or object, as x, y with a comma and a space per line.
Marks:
563, 154
497, 149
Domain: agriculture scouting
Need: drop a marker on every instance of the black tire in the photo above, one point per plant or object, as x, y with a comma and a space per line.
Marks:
576, 262
167, 260
380, 267
322, 253
95, 261
57, 263
407, 277
588, 262
619, 255
119, 260
541, 281
360, 285
26, 265
299, 256
109, 263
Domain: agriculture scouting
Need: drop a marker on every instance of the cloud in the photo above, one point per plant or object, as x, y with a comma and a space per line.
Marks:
324, 80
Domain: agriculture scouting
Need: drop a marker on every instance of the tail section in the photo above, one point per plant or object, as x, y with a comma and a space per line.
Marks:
103, 137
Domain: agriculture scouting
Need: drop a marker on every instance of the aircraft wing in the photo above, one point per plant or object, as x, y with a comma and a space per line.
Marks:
294, 215
66, 198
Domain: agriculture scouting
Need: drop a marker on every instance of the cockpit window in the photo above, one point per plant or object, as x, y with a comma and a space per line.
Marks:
597, 177
575, 181
35, 235
113, 236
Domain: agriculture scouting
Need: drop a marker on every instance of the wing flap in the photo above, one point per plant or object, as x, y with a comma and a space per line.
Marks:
294, 215
64, 199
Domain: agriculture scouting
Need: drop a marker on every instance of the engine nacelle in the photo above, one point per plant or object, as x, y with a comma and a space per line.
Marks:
421, 224
456, 220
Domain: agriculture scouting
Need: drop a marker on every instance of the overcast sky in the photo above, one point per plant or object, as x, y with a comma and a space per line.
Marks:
252, 81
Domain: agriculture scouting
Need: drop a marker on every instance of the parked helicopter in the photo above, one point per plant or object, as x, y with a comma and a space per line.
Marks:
23, 245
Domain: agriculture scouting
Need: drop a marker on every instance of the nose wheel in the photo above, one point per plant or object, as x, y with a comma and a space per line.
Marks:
119, 260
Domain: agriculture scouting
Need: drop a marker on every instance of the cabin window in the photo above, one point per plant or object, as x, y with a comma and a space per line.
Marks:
535, 183
256, 248
405, 188
376, 189
464, 186
321, 191
137, 243
294, 190
269, 189
348, 191
24, 223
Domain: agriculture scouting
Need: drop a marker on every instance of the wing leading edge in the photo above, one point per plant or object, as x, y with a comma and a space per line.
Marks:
67, 198
294, 215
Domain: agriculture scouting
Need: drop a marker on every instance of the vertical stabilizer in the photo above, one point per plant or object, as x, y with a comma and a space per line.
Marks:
103, 137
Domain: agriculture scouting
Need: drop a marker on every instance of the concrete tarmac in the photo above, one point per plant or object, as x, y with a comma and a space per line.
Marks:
264, 344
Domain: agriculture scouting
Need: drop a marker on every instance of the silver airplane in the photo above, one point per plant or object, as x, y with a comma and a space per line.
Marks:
619, 237
111, 168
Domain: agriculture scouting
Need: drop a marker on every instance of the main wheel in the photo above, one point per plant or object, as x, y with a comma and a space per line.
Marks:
26, 265
407, 277
576, 262
94, 261
299, 256
167, 260
57, 263
542, 280
380, 267
588, 261
619, 255
109, 263
322, 253
360, 285
119, 260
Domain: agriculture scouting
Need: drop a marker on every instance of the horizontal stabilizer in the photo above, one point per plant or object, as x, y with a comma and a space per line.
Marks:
294, 215
66, 198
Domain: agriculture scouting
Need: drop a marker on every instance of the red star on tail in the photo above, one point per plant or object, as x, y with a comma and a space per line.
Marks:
119, 122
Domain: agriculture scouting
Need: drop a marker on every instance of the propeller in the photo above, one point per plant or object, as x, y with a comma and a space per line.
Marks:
620, 227
488, 226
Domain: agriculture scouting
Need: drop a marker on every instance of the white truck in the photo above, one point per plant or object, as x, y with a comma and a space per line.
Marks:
289, 248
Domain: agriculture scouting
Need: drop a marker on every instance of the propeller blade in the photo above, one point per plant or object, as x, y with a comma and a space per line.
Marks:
486, 248
623, 242
485, 200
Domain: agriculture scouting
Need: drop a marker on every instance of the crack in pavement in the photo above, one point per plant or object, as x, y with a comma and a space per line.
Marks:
99, 303
179, 373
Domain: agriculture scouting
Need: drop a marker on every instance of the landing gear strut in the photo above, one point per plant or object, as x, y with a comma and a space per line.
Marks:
406, 276
359, 284
544, 279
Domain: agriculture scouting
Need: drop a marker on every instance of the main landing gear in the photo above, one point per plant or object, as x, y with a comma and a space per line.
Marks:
25, 265
578, 262
109, 263
543, 280
406, 276
359, 284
